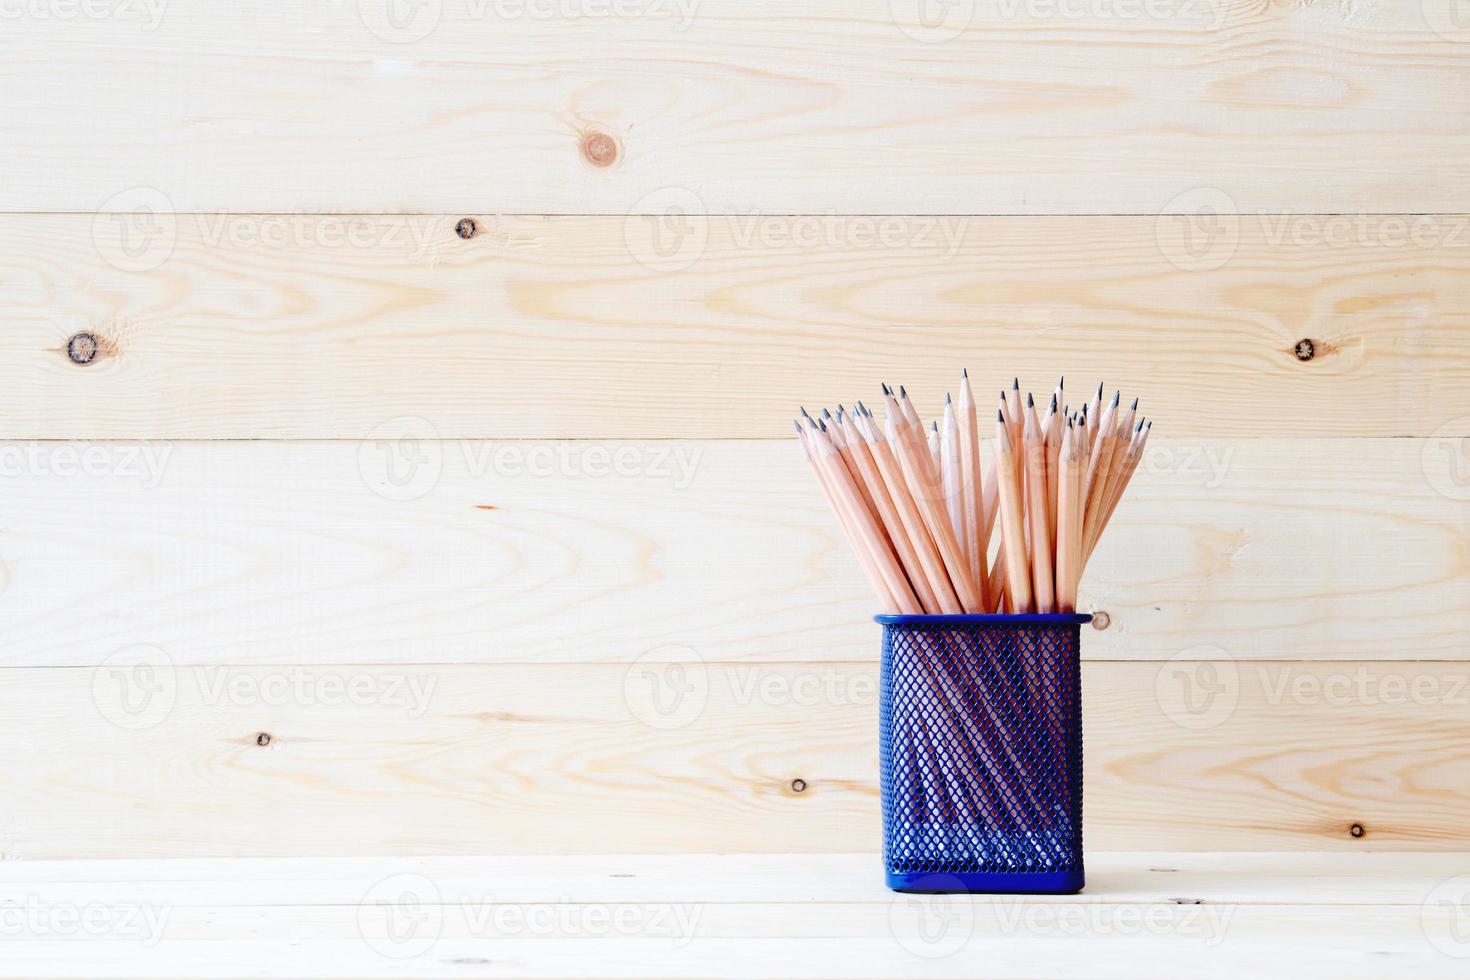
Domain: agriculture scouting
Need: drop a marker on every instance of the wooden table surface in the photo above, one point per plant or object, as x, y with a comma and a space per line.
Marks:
804, 915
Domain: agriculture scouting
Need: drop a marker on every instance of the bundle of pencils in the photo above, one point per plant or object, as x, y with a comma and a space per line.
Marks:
920, 516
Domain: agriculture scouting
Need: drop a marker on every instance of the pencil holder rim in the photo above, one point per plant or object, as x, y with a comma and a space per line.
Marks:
984, 619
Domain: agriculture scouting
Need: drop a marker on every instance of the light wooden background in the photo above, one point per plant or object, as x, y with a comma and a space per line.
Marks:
357, 536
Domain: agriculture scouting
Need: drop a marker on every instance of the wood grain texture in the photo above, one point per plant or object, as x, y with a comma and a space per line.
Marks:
524, 552
1001, 106
138, 759
287, 326
1143, 915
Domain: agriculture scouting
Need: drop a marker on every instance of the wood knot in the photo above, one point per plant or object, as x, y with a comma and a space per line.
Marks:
1101, 620
263, 738
798, 786
1305, 350
1357, 830
467, 228
83, 347
600, 149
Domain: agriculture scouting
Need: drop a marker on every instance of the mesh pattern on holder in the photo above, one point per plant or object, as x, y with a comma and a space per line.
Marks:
980, 745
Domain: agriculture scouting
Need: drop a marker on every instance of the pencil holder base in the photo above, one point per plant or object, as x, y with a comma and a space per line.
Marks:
980, 753
985, 883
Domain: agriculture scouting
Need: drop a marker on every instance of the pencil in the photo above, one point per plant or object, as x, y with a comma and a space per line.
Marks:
931, 565
1051, 430
950, 477
919, 503
1012, 535
1069, 520
861, 455
1098, 467
904, 436
1042, 583
859, 548
864, 526
976, 536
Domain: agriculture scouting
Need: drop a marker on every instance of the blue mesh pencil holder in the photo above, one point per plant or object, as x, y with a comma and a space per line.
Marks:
980, 748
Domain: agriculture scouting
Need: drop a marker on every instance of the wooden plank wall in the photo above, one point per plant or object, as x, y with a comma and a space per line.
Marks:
393, 410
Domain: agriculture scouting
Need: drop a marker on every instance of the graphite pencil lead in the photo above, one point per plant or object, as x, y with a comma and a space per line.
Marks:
1061, 382
1053, 402
1099, 390
803, 413
1015, 384
1000, 418
1030, 402
965, 373
1115, 398
1134, 406
946, 399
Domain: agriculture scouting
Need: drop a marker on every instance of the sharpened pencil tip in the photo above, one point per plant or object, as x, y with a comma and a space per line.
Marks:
902, 392
798, 426
885, 389
965, 373
804, 413
1115, 398
1134, 406
1061, 382
1053, 401
1030, 402
1000, 418
946, 399
826, 414
1015, 384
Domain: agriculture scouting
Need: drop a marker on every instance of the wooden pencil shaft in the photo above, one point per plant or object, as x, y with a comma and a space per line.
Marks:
973, 490
912, 458
913, 522
1042, 582
844, 489
859, 548
867, 467
1053, 434
1013, 537
1069, 528
951, 478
